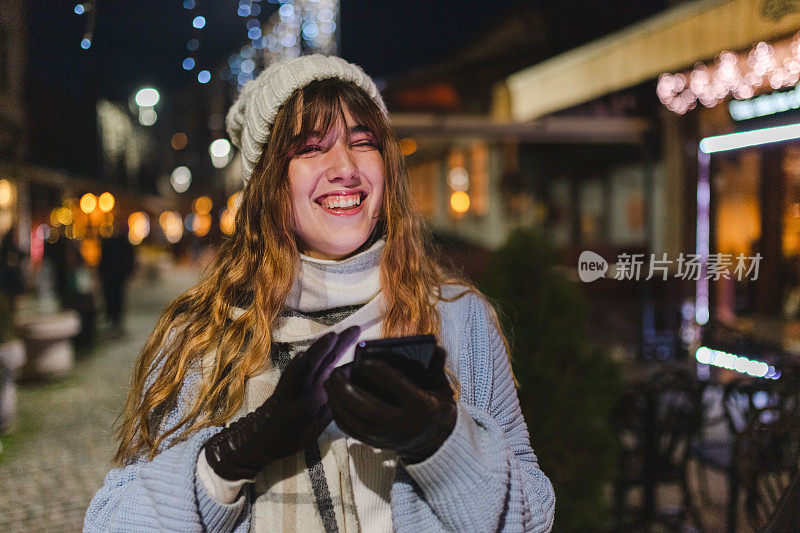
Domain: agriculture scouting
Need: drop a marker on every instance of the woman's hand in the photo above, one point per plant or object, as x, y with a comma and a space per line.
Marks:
292, 417
377, 404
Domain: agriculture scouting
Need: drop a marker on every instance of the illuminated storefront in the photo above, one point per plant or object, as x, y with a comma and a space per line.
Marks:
717, 68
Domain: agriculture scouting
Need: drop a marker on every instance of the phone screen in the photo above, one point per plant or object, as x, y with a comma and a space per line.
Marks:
419, 348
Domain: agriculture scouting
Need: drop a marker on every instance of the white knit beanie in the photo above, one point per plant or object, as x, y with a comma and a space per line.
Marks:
251, 117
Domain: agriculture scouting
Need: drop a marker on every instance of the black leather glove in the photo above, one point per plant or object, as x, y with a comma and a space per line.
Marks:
291, 418
379, 405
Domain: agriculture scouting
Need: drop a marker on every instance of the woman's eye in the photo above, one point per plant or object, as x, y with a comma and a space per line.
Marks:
309, 148
365, 143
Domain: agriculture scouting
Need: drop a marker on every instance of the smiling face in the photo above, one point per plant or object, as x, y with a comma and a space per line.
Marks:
336, 184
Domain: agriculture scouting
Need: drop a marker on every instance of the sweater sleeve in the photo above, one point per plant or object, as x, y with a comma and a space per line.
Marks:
162, 495
165, 494
485, 477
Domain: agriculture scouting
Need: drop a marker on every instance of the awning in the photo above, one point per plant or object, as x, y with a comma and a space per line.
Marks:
668, 42
550, 130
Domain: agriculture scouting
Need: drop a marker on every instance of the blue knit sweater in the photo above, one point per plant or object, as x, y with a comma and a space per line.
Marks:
485, 477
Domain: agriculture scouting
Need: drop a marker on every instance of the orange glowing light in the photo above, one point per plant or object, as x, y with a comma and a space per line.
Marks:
459, 202
226, 219
62, 215
88, 203
90, 250
171, 225
202, 205
179, 141
408, 146
138, 227
201, 225
106, 202
6, 193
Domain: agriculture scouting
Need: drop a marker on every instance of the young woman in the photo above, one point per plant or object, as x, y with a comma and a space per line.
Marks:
245, 411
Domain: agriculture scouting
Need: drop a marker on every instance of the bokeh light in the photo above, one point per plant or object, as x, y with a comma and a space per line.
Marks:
147, 97
147, 116
220, 148
220, 151
226, 221
199, 22
188, 63
106, 202
458, 179
234, 200
204, 76
202, 205
179, 141
138, 227
459, 202
64, 216
172, 226
201, 225
6, 193
79, 9
88, 203
181, 178
408, 146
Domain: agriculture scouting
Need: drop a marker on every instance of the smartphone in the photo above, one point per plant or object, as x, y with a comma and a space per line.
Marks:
418, 348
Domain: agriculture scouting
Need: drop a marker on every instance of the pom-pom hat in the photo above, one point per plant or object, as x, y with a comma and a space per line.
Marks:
251, 117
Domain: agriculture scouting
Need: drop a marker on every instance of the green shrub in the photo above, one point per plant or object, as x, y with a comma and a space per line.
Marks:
568, 386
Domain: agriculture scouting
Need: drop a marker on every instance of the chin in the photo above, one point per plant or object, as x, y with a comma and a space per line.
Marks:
340, 249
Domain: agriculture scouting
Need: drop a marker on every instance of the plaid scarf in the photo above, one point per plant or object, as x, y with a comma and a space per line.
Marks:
312, 491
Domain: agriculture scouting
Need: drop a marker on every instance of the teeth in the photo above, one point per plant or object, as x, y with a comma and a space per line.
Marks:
341, 202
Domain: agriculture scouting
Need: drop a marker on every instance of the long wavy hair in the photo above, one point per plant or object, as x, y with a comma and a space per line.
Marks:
260, 259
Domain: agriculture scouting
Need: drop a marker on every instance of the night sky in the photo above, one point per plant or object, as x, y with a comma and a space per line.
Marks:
140, 42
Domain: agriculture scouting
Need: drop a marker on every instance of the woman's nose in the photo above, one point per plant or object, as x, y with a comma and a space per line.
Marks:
341, 164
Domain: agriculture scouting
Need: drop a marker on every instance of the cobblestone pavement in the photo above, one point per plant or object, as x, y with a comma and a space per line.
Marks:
57, 459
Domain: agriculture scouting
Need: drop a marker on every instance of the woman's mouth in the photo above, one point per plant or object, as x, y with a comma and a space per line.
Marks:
342, 204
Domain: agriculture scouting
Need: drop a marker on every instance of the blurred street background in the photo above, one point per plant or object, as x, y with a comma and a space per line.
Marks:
621, 179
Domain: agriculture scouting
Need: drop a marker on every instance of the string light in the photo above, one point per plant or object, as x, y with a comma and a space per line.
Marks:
296, 26
86, 8
732, 76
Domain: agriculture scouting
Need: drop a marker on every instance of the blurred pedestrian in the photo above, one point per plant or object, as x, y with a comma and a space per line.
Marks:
116, 265
12, 283
328, 249
12, 354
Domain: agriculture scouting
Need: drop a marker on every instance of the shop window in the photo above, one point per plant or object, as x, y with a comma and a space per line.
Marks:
423, 178
479, 183
592, 207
